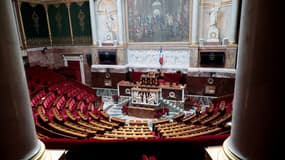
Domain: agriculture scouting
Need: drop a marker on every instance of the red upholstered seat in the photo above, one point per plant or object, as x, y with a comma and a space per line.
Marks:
144, 157
136, 76
171, 77
161, 81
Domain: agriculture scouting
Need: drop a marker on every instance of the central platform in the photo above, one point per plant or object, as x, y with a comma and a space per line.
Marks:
174, 92
145, 96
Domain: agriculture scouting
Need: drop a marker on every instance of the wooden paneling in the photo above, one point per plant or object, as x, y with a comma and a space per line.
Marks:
99, 77
143, 112
172, 94
195, 85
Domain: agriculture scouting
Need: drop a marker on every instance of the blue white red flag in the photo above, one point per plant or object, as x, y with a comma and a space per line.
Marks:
160, 56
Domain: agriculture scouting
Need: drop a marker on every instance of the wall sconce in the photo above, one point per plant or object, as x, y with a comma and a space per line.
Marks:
43, 51
211, 79
210, 89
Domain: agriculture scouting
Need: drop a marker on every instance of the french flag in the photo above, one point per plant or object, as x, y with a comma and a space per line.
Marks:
160, 56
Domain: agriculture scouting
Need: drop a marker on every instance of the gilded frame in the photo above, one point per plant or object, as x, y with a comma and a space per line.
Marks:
148, 24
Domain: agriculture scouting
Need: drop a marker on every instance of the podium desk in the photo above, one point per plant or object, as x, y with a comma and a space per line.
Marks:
173, 92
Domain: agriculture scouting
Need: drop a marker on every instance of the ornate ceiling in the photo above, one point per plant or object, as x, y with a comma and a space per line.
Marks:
51, 1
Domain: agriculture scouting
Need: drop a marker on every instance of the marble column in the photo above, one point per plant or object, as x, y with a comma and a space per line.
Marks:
234, 22
18, 135
82, 71
195, 21
120, 21
70, 24
48, 23
258, 114
93, 21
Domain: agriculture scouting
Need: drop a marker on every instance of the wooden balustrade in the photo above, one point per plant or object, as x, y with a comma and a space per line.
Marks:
188, 118
118, 120
222, 119
42, 114
56, 114
210, 118
160, 121
68, 130
82, 116
70, 115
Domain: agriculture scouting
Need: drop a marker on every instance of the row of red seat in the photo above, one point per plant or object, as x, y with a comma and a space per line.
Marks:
168, 77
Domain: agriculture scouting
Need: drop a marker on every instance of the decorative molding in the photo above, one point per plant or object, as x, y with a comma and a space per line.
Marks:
223, 3
76, 58
231, 56
176, 59
52, 1
111, 68
194, 54
206, 72
106, 15
191, 71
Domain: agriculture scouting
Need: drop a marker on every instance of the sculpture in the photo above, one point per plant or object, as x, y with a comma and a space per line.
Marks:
214, 15
213, 32
137, 97
152, 98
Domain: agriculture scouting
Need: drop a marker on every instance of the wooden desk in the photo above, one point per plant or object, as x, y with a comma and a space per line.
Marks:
143, 112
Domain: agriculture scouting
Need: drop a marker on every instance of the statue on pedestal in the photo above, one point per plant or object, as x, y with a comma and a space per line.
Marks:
213, 33
109, 25
214, 15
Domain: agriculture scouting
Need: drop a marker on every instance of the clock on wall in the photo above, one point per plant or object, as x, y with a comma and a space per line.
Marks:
107, 75
213, 35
